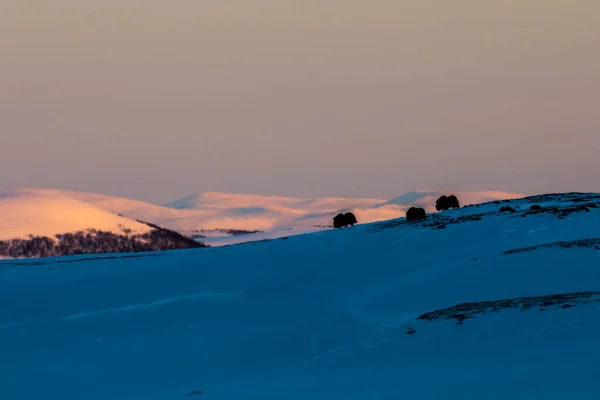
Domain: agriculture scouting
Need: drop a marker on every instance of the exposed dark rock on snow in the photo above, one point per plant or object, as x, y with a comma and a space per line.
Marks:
381, 226
590, 243
574, 197
561, 212
587, 202
435, 221
204, 233
441, 223
464, 311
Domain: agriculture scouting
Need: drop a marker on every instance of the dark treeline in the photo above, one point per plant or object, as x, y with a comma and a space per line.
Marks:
96, 242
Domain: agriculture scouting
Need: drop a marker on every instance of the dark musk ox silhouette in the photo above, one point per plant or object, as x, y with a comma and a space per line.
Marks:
415, 214
446, 203
343, 220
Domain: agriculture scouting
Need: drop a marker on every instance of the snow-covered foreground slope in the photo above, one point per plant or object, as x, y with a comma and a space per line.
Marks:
213, 214
47, 213
329, 315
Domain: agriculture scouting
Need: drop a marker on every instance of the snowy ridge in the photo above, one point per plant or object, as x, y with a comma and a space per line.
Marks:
209, 214
47, 213
36, 223
369, 311
427, 199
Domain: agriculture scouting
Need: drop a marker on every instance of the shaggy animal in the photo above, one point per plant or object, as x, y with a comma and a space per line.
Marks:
536, 207
350, 218
507, 209
343, 220
446, 203
338, 221
415, 214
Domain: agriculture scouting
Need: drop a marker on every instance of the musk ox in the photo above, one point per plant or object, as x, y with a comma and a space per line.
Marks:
343, 220
415, 214
446, 203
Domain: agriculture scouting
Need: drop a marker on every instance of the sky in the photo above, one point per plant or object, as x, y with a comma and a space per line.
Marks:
155, 100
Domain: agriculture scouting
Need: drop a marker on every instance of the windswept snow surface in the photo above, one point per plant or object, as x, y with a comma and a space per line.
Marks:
206, 214
316, 316
47, 213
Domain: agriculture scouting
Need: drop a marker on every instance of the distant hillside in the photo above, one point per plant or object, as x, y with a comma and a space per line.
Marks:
216, 217
219, 218
47, 213
48, 223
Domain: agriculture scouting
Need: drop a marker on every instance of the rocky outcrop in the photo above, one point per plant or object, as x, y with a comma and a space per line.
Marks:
464, 311
589, 243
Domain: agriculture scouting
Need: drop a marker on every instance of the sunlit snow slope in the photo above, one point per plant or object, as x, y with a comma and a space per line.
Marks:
330, 315
47, 213
213, 214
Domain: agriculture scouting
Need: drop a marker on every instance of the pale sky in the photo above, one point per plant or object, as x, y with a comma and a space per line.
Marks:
156, 100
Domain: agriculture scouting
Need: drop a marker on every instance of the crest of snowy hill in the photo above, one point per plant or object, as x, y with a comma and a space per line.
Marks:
225, 218
39, 223
505, 307
211, 218
426, 199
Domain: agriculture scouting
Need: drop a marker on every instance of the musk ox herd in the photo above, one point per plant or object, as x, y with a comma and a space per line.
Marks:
412, 214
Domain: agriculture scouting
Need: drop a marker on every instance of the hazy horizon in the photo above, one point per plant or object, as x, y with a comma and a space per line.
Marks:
159, 100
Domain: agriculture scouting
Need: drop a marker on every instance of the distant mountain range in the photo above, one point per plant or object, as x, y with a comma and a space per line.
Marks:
213, 218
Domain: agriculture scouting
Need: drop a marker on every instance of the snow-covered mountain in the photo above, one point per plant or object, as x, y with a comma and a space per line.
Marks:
476, 303
36, 223
222, 218
47, 213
